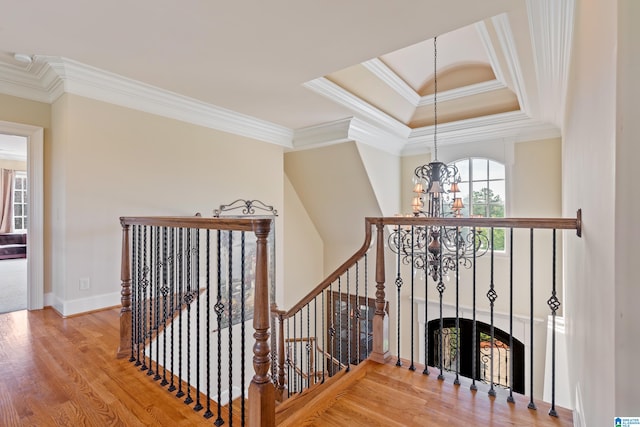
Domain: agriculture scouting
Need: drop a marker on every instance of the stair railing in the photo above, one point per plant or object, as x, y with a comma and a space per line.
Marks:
189, 285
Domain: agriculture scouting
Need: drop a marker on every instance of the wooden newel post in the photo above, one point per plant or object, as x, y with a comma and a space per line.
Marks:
261, 390
380, 352
124, 349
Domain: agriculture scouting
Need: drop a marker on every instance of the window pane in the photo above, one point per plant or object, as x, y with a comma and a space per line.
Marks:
17, 196
18, 184
480, 209
497, 192
480, 191
479, 169
17, 223
18, 210
496, 170
463, 168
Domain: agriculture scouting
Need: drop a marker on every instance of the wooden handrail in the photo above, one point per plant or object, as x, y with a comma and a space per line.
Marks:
235, 224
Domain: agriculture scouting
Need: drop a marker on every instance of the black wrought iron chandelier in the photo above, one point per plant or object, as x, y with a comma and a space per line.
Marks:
437, 249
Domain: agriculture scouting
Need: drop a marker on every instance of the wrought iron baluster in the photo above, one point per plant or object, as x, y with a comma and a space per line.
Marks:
315, 335
554, 305
457, 379
288, 361
412, 367
219, 308
531, 404
492, 296
172, 286
398, 287
156, 325
324, 357
152, 268
356, 315
366, 299
188, 299
208, 414
301, 375
332, 329
140, 287
196, 298
441, 289
510, 399
474, 343
308, 346
295, 356
242, 327
135, 265
425, 371
339, 323
349, 330
181, 294
230, 319
165, 296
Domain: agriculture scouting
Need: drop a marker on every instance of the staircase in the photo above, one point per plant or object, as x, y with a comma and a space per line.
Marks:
387, 395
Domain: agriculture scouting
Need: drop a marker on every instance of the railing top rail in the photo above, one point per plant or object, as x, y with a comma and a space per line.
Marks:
557, 223
237, 224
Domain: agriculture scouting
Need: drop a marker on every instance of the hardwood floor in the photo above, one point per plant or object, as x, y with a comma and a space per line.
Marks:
63, 372
385, 395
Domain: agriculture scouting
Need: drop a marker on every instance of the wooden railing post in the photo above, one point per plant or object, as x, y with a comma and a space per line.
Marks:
261, 390
125, 312
380, 351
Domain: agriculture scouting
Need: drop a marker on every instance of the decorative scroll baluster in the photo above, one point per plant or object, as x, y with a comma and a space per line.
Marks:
426, 320
165, 297
398, 287
441, 289
188, 299
172, 286
308, 346
301, 375
315, 334
242, 327
208, 414
332, 330
324, 358
140, 296
531, 404
356, 314
295, 357
474, 343
457, 335
510, 399
156, 324
289, 373
219, 308
492, 296
412, 367
366, 298
230, 318
196, 293
152, 266
349, 331
133, 268
181, 294
554, 305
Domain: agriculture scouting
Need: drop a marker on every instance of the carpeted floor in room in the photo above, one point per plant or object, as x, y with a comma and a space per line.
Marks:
13, 285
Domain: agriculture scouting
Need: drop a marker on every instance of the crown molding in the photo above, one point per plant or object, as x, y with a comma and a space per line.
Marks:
515, 126
50, 77
508, 44
345, 130
462, 92
391, 79
551, 30
337, 94
483, 32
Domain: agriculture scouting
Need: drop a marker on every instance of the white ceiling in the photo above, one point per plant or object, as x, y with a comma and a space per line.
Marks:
258, 58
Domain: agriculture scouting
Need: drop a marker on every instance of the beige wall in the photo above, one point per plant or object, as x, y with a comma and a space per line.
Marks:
303, 250
589, 182
13, 164
108, 161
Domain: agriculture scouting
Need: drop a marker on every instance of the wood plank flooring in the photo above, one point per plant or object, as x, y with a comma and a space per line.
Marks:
392, 396
63, 372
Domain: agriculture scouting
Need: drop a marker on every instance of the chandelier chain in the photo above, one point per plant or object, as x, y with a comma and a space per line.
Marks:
435, 98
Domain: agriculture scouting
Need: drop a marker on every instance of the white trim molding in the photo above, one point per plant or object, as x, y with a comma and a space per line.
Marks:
551, 29
35, 191
48, 77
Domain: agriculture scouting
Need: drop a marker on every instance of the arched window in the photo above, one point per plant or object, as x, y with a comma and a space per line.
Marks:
483, 191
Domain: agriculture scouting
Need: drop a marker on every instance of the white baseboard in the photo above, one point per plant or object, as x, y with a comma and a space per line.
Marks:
81, 305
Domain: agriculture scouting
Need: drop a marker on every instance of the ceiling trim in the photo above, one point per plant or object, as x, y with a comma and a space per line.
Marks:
551, 29
462, 92
391, 79
508, 44
345, 130
50, 77
514, 125
481, 27
332, 91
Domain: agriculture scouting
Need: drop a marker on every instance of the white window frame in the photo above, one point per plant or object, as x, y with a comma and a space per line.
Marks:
20, 176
